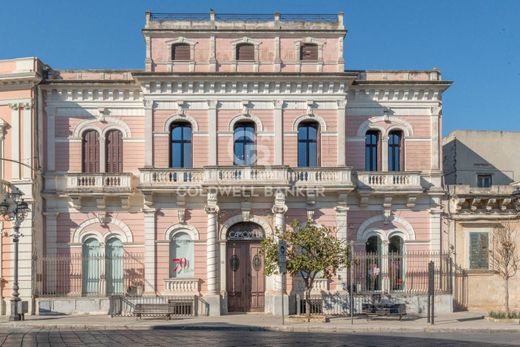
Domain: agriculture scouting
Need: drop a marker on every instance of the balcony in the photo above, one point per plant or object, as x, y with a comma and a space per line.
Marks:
98, 183
247, 176
182, 286
389, 181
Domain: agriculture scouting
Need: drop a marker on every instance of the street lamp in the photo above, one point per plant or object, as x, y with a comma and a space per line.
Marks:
14, 208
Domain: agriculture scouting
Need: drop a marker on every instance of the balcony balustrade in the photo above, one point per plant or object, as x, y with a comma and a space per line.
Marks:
389, 181
246, 176
98, 182
182, 286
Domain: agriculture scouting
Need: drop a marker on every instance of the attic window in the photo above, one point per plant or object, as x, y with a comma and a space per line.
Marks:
181, 51
245, 51
309, 51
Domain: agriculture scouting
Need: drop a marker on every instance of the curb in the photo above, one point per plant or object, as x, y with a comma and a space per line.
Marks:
310, 329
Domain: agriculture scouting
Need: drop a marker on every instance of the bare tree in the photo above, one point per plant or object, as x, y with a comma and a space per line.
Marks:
505, 255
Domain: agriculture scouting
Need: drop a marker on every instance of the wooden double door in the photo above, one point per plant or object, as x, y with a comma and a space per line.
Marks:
245, 277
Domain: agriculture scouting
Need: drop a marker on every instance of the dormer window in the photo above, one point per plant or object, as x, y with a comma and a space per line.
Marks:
245, 52
309, 52
181, 51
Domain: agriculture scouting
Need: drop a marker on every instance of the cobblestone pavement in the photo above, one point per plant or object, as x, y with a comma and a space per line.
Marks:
168, 337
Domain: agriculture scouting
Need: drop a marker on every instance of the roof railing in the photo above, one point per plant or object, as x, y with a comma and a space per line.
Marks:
230, 17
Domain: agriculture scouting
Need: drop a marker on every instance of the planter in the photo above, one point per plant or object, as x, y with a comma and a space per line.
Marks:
503, 320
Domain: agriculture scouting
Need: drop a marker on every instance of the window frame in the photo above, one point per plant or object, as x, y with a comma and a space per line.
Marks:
108, 147
86, 151
183, 142
469, 232
375, 148
309, 44
177, 44
245, 142
191, 262
392, 148
484, 176
308, 142
244, 44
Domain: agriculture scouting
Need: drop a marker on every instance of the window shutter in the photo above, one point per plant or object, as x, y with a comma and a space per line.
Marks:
181, 51
245, 51
479, 251
91, 152
114, 152
309, 52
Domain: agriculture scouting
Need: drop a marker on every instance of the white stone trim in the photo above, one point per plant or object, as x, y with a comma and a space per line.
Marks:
113, 123
180, 118
181, 228
249, 40
364, 232
83, 229
396, 123
246, 117
15, 145
182, 39
239, 219
310, 117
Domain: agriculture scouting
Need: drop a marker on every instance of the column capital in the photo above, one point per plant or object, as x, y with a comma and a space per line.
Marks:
279, 206
211, 205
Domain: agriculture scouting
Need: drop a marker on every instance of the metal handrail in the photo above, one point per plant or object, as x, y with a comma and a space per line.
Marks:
260, 17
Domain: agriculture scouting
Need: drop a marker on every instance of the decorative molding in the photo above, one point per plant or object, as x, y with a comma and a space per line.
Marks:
246, 117
239, 219
94, 93
395, 123
112, 123
82, 231
180, 117
309, 117
181, 228
364, 231
404, 93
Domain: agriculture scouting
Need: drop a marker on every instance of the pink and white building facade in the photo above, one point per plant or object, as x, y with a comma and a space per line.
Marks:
168, 178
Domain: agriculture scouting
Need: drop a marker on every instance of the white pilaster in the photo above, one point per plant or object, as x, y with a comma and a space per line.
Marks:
436, 148
384, 154
341, 139
149, 251
342, 235
148, 133
211, 243
51, 124
212, 54
2, 137
212, 132
278, 132
15, 135
51, 225
279, 209
27, 139
435, 226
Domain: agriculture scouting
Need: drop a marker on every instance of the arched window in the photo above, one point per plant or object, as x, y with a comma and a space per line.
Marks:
180, 145
309, 51
114, 151
373, 263
372, 150
182, 261
114, 266
91, 267
308, 144
181, 51
90, 151
395, 262
245, 51
244, 143
395, 151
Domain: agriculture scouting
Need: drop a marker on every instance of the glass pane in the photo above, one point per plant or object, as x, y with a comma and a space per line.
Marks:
187, 133
249, 154
313, 154
182, 256
177, 133
302, 133
313, 132
187, 155
302, 154
176, 155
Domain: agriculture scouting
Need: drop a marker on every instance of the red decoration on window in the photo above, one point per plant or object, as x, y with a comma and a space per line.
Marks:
180, 264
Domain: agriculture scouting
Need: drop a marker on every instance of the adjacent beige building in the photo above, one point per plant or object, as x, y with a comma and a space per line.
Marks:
480, 168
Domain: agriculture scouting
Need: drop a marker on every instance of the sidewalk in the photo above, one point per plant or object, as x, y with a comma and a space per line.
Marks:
460, 321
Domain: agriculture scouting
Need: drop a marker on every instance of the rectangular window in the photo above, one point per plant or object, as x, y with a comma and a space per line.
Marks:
484, 181
479, 250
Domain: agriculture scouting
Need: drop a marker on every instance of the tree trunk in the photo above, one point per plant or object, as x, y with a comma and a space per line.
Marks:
507, 297
307, 303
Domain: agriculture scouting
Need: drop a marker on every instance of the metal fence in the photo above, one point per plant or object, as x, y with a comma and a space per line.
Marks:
95, 275
400, 272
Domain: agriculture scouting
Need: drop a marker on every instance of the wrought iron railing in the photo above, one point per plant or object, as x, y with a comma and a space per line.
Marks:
253, 17
157, 17
330, 18
183, 306
95, 276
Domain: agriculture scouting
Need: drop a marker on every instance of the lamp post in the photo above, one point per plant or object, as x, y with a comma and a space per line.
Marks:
14, 208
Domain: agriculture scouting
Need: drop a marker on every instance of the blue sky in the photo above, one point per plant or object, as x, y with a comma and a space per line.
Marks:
475, 43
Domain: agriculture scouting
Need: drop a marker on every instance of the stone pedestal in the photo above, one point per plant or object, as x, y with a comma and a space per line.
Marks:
273, 304
213, 304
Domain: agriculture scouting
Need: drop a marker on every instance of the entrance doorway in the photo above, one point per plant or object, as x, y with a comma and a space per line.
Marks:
245, 269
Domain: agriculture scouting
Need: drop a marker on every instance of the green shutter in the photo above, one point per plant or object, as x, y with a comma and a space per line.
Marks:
478, 251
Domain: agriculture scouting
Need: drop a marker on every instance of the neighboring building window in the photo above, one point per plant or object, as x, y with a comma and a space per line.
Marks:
91, 267
90, 151
244, 140
478, 250
180, 145
245, 51
308, 144
181, 51
484, 181
371, 150
114, 151
395, 152
182, 263
309, 51
114, 266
